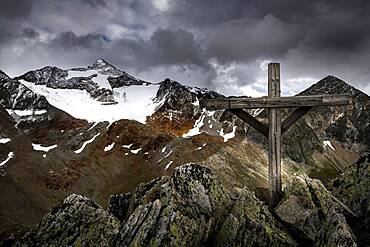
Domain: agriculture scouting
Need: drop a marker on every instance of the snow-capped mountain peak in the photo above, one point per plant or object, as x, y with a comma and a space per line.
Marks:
101, 64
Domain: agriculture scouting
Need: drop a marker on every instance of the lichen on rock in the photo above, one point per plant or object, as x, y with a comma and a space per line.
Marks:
311, 211
78, 221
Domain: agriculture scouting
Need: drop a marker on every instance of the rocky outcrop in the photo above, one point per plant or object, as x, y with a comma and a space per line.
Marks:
78, 221
181, 108
353, 188
192, 208
14, 95
311, 211
173, 211
189, 208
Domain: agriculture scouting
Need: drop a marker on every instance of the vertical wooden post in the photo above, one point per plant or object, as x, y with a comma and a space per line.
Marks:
274, 155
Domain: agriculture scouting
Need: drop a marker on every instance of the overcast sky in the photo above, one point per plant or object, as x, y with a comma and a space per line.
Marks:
219, 44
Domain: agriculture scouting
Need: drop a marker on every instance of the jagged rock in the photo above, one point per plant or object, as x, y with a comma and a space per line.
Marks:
78, 221
353, 188
180, 210
250, 223
118, 205
192, 207
14, 95
313, 213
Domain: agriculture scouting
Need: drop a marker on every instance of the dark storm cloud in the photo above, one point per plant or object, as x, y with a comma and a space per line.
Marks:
95, 3
71, 41
248, 39
30, 33
224, 40
165, 47
176, 47
15, 9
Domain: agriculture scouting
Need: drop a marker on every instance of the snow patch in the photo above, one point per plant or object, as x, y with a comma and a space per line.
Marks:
23, 113
168, 154
196, 102
109, 147
199, 148
328, 144
85, 144
4, 140
38, 147
10, 156
127, 146
92, 126
196, 129
135, 151
100, 79
168, 165
228, 136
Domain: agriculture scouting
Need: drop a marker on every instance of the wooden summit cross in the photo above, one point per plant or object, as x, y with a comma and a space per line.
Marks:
273, 102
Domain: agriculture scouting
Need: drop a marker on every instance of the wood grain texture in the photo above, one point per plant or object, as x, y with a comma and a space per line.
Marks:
278, 102
274, 150
294, 117
249, 119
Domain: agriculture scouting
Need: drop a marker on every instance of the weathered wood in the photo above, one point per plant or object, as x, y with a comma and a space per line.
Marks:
294, 117
249, 119
278, 102
274, 151
275, 128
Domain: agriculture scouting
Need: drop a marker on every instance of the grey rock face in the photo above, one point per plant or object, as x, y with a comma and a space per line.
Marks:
313, 213
350, 127
191, 208
173, 211
14, 95
353, 188
78, 221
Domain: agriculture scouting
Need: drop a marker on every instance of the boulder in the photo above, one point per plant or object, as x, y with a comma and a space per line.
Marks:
316, 216
77, 221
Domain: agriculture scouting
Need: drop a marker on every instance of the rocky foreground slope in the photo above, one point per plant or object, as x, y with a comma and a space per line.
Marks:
192, 208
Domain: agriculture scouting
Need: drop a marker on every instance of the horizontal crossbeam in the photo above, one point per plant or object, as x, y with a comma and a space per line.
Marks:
277, 102
249, 119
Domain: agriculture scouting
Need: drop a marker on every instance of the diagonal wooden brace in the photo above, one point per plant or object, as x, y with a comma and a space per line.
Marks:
294, 117
252, 121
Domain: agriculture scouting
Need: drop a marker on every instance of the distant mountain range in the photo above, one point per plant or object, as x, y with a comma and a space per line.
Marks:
99, 131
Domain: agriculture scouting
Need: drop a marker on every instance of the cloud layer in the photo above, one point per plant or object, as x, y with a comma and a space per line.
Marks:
222, 45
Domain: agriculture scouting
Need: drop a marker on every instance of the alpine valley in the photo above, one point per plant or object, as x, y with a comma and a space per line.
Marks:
96, 157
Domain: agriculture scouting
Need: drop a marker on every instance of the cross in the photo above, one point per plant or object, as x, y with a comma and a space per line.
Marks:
275, 128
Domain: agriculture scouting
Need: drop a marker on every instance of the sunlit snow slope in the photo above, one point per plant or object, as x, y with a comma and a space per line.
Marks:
132, 102
99, 92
